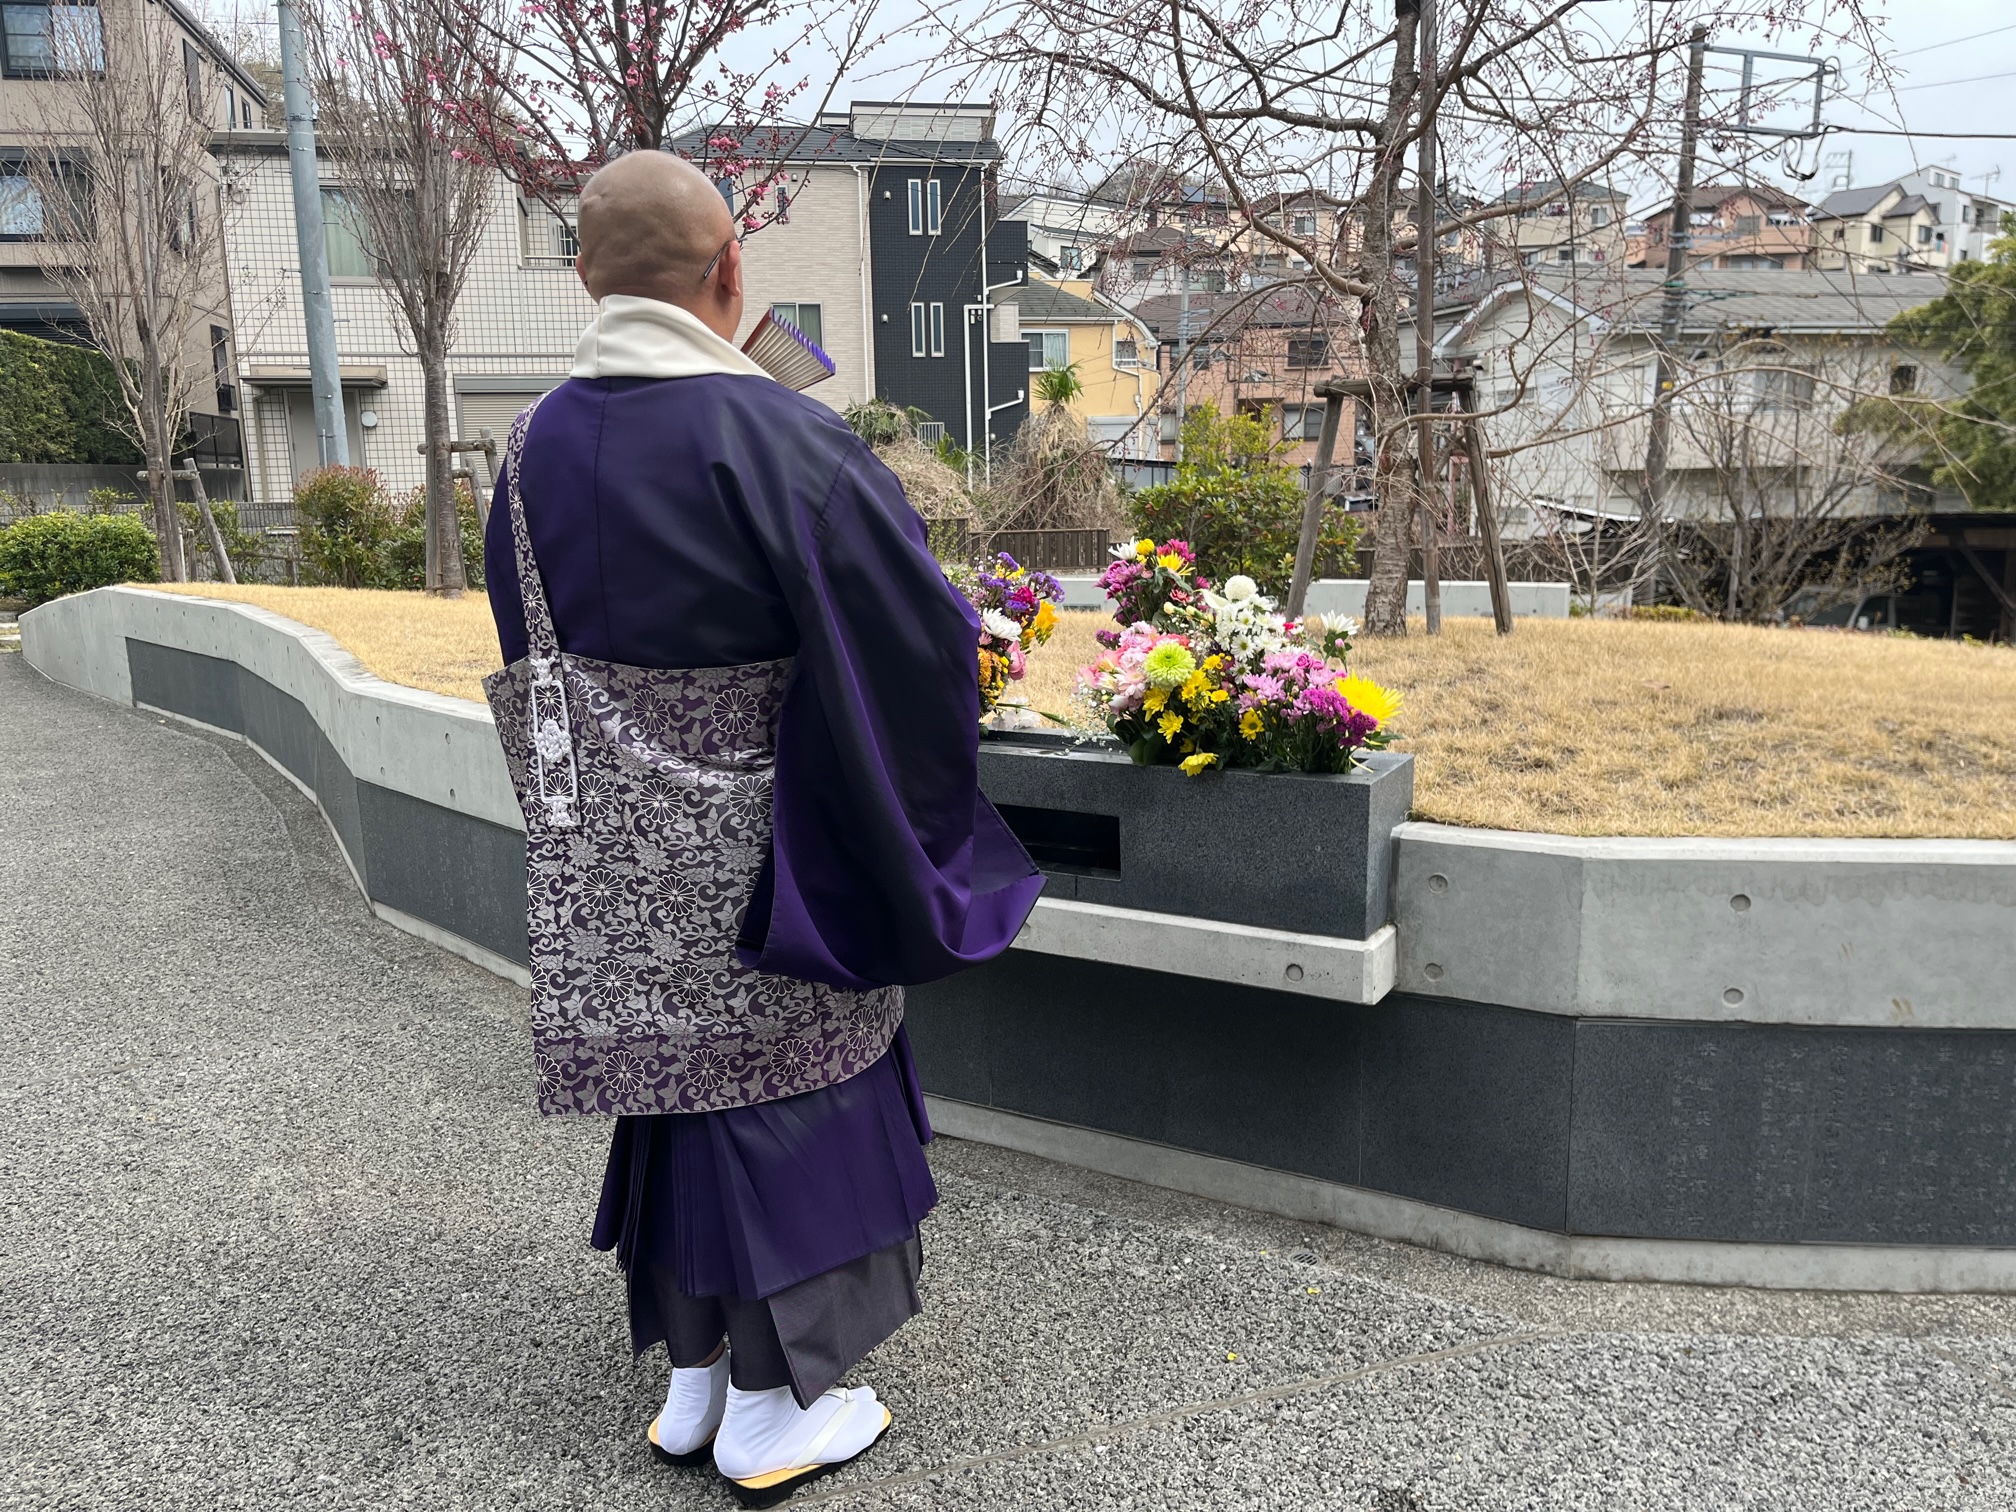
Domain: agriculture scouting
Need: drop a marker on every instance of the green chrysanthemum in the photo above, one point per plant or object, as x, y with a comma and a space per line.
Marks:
1169, 665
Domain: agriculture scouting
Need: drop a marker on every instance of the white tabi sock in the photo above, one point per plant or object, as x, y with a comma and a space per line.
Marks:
694, 1404
766, 1433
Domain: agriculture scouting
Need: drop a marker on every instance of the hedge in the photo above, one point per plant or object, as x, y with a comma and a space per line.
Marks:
48, 555
60, 404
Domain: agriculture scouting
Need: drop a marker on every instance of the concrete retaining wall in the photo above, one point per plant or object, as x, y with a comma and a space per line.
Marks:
1786, 1063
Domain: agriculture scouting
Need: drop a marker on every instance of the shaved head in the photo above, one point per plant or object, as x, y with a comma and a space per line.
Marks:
650, 224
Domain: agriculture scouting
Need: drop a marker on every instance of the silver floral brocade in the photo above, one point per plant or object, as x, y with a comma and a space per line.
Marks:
646, 795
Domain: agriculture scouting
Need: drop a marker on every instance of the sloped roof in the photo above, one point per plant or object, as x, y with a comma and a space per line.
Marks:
1785, 300
1714, 196
1845, 203
1911, 204
1550, 189
1041, 301
1276, 306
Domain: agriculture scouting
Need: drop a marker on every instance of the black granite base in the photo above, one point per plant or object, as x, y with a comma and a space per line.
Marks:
1280, 850
1627, 1128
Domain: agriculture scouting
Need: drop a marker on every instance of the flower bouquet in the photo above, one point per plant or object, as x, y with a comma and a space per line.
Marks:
1018, 611
1198, 677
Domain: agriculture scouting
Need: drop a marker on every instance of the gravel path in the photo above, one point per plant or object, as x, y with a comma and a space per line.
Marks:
279, 1229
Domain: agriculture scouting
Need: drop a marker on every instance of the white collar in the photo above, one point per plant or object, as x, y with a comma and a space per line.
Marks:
635, 337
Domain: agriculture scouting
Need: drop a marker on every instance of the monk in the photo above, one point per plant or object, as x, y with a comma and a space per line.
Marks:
740, 707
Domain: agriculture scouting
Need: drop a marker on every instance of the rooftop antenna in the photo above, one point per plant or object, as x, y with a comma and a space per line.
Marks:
1840, 170
1988, 179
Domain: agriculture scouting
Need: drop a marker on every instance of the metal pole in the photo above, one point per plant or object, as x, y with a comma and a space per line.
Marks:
1673, 309
323, 375
1424, 319
1182, 351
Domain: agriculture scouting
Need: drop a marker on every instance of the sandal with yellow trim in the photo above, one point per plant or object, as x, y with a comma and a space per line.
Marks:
691, 1457
774, 1486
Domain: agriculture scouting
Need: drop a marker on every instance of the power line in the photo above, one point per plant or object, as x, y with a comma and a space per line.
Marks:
1993, 31
1944, 83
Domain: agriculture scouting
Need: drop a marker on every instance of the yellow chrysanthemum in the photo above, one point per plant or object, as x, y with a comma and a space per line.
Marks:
1195, 686
1170, 560
1251, 724
1170, 725
1144, 548
1045, 621
1154, 699
1192, 765
1367, 697
1219, 695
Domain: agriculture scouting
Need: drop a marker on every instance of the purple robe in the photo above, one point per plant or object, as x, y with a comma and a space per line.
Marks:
721, 520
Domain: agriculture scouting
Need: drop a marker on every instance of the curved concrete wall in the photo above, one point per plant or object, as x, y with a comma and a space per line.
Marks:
1785, 1063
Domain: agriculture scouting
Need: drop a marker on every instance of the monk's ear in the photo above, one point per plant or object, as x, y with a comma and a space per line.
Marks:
731, 270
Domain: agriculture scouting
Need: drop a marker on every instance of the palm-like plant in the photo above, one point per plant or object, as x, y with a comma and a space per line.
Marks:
1059, 385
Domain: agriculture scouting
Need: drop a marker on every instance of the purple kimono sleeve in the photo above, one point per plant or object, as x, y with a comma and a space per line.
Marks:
887, 865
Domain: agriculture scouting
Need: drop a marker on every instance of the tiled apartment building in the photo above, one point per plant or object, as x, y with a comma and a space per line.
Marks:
516, 323
35, 36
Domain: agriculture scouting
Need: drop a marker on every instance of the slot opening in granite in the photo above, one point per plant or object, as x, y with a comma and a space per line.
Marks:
1065, 841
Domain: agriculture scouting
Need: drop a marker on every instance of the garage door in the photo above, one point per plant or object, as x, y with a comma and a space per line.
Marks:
495, 411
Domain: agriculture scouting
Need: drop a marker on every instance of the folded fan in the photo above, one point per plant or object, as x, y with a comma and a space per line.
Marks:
787, 353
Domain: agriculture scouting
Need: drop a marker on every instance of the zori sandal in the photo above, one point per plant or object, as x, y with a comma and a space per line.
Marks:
856, 1422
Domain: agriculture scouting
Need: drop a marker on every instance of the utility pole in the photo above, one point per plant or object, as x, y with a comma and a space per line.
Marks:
323, 375
1673, 308
1424, 318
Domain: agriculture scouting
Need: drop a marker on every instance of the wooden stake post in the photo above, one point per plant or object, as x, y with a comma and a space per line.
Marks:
1333, 392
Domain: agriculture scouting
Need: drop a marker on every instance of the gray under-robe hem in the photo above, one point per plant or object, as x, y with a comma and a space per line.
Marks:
808, 1335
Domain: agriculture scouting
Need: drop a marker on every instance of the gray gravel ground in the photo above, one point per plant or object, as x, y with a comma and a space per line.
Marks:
279, 1229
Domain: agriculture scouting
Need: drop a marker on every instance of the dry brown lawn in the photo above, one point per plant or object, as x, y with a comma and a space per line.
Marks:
1588, 727
1577, 727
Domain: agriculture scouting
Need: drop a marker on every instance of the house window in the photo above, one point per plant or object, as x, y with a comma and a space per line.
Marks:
1070, 259
1169, 427
24, 214
1126, 351
39, 40
1749, 225
1924, 236
1302, 422
1209, 280
937, 330
933, 209
1903, 379
807, 317
1784, 388
1143, 269
230, 107
1048, 349
220, 370
918, 334
1566, 254
245, 112
1308, 351
1302, 225
916, 207
344, 237
1875, 235
192, 75
1599, 218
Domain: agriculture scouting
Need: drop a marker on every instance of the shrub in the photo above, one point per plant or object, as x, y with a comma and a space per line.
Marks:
48, 555
406, 552
346, 525
1053, 476
1240, 506
1665, 612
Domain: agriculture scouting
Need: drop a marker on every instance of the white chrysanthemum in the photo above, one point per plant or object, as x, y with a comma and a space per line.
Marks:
997, 623
1239, 587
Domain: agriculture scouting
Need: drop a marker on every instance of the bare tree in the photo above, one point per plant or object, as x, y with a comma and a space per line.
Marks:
131, 223
1784, 502
1274, 102
414, 191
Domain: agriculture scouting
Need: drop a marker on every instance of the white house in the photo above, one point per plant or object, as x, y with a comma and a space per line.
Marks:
1564, 367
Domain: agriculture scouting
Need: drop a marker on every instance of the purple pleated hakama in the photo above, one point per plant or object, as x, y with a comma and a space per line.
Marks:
671, 530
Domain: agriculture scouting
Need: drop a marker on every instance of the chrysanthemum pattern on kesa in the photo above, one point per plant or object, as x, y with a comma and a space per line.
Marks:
637, 883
